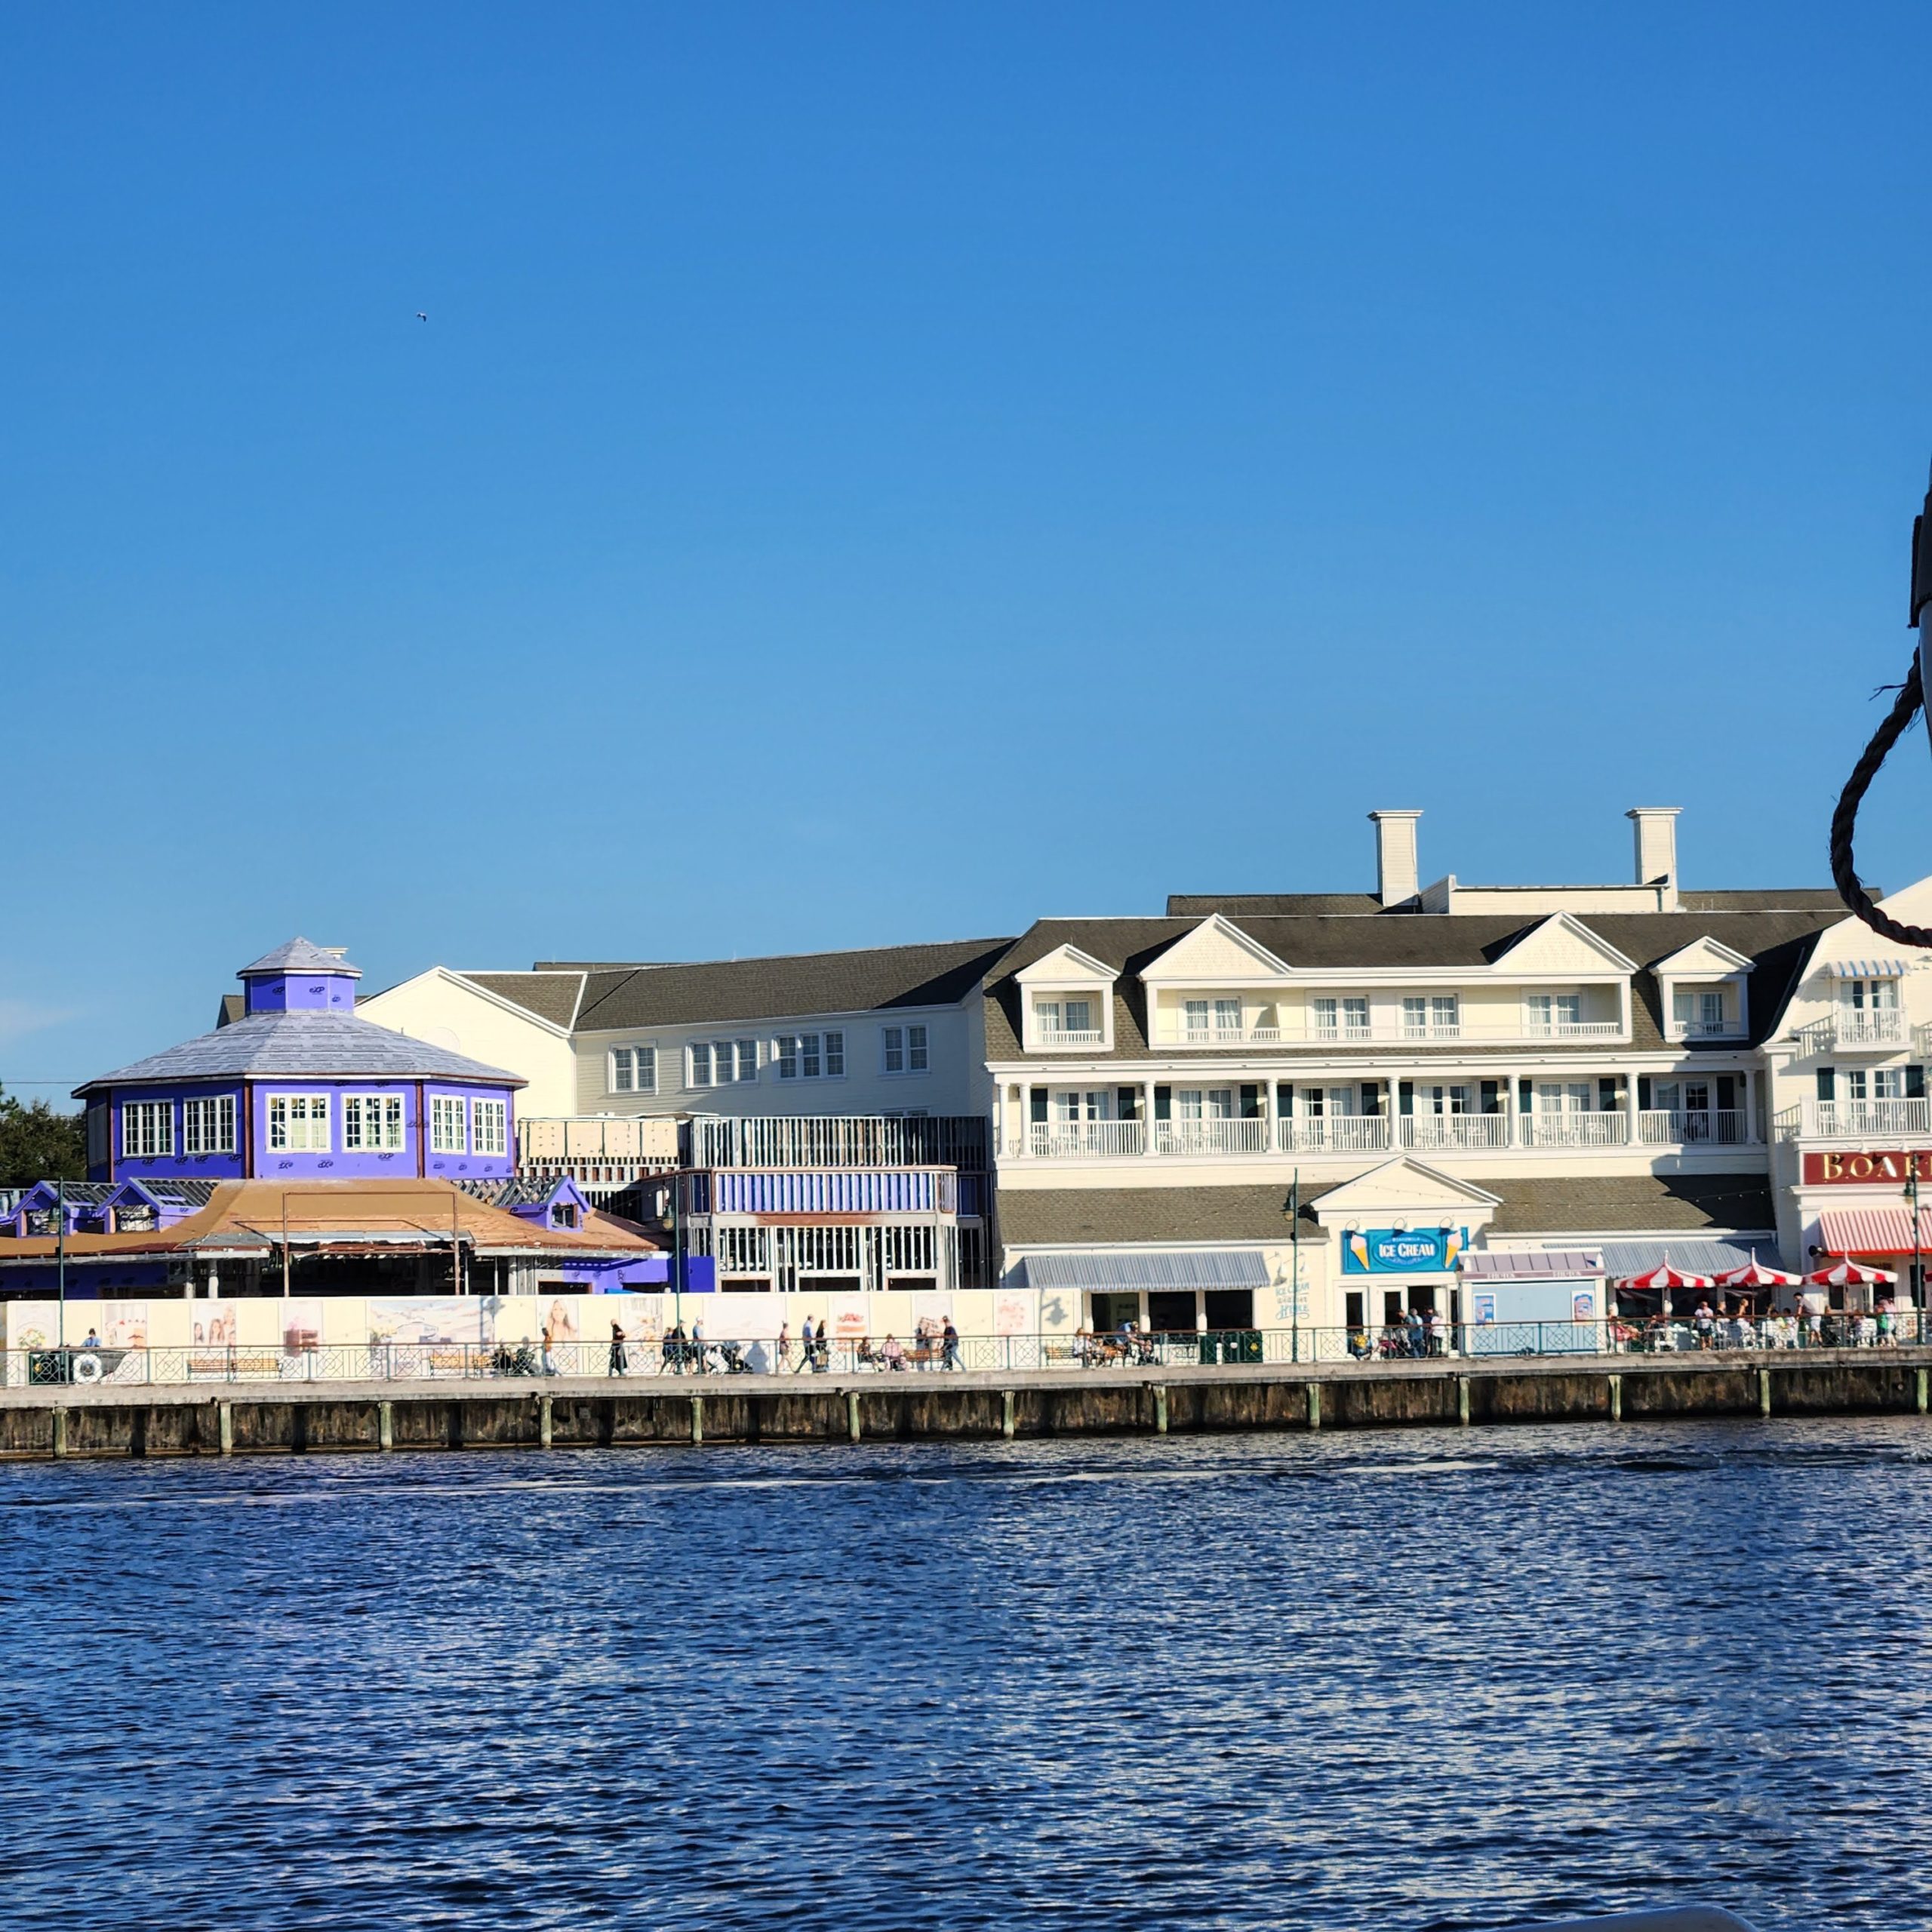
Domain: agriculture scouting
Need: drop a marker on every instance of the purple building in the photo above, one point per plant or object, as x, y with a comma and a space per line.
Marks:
294, 1087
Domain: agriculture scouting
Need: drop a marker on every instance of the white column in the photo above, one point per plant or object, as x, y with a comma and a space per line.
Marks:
1147, 1118
1630, 1105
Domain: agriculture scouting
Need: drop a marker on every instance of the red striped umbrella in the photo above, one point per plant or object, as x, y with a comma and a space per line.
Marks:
1664, 1276
1849, 1274
1754, 1275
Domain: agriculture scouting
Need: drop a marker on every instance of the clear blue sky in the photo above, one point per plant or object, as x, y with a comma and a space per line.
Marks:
877, 472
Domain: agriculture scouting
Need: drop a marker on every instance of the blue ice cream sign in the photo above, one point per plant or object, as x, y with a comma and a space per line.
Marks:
1402, 1250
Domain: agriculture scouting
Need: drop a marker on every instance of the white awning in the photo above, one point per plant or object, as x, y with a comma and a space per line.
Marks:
1868, 969
1145, 1268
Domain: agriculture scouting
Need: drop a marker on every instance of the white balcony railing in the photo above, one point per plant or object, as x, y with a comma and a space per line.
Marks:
1083, 1140
1573, 1130
1456, 1130
1044, 1035
1572, 1029
1211, 1136
1860, 1120
1853, 1028
1707, 1029
1332, 1133
1727, 1126
1340, 1035
1177, 1033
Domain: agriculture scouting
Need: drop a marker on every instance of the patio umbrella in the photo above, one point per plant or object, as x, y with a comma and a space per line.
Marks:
1754, 1275
1664, 1278
1849, 1274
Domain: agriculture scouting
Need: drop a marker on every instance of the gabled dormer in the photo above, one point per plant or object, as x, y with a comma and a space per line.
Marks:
563, 1207
1574, 984
1703, 992
1216, 986
1067, 1003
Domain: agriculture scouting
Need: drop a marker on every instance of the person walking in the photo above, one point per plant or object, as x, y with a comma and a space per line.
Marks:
549, 1360
1704, 1324
1412, 1326
784, 1351
949, 1355
809, 1360
619, 1361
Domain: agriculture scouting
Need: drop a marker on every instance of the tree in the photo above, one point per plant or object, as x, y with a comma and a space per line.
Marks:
38, 1144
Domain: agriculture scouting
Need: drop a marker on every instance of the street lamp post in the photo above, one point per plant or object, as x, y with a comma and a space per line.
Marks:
61, 1259
1918, 1276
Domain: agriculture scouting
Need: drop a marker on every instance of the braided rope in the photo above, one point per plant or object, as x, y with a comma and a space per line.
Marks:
1844, 873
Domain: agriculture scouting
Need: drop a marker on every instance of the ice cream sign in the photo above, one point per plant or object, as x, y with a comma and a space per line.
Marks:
1402, 1250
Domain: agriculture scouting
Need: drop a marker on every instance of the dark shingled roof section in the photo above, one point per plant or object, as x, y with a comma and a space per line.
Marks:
1633, 1203
878, 978
550, 996
1104, 1216
233, 1006
1234, 905
1779, 941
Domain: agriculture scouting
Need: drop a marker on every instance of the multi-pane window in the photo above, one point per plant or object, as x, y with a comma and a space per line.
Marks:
904, 1047
1204, 1018
372, 1123
1554, 1013
1871, 995
147, 1129
446, 1125
722, 1063
298, 1123
1354, 1017
1415, 1018
489, 1121
208, 1127
634, 1070
811, 1056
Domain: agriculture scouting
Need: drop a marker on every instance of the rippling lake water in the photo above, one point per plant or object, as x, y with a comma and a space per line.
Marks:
1404, 1680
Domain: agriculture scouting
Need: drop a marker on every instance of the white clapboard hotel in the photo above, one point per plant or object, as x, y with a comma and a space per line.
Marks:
1488, 1101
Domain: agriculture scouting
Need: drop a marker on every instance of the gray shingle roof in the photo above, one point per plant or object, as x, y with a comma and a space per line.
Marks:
801, 983
551, 995
301, 956
1779, 939
273, 1044
1583, 1205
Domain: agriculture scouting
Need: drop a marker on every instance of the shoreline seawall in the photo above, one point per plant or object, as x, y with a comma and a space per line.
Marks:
270, 1418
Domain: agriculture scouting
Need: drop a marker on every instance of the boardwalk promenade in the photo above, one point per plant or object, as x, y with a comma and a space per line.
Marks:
587, 1412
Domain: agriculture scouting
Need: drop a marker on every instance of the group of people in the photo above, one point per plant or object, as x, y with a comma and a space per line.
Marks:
1128, 1344
937, 1344
1415, 1336
1810, 1325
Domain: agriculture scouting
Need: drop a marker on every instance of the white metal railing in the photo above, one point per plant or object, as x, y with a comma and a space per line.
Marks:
1339, 1035
1332, 1133
1726, 1126
1172, 1032
1082, 1139
1211, 1136
1879, 1026
1067, 1036
1573, 1130
1431, 1029
1456, 1130
1572, 1029
1707, 1029
1859, 1120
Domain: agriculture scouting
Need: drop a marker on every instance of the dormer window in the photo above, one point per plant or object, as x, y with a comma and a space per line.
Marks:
1553, 1014
1067, 1022
1340, 1018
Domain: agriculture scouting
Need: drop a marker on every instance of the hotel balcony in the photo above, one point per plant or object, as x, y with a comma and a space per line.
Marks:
1170, 1031
1861, 1121
1348, 1134
1872, 1029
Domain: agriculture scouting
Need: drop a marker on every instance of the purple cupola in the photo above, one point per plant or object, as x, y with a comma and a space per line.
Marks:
300, 977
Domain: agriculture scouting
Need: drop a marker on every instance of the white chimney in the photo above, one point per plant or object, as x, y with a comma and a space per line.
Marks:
1397, 874
1656, 828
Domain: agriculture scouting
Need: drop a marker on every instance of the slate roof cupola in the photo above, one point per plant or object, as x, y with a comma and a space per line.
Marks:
300, 977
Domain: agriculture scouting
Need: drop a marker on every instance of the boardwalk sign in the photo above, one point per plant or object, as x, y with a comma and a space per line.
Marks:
1402, 1250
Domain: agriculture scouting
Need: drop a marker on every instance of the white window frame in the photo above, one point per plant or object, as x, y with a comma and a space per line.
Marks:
905, 1052
730, 1062
443, 1108
631, 1069
208, 1125
294, 1122
489, 1126
390, 1124
147, 1130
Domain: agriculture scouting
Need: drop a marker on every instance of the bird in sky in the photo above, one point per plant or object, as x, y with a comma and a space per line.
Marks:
420, 317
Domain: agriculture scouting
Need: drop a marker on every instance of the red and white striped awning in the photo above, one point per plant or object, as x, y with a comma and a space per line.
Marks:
1754, 1275
1873, 1231
1849, 1274
1666, 1277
